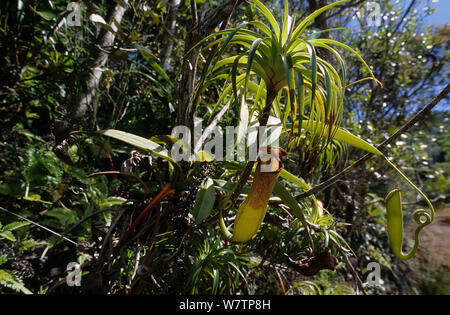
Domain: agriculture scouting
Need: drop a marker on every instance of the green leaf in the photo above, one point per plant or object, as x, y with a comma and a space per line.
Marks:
64, 217
14, 226
37, 198
242, 126
140, 142
26, 244
229, 187
291, 202
8, 235
204, 201
262, 27
9, 280
348, 138
229, 38
345, 137
270, 18
165, 139
308, 20
342, 45
147, 54
300, 97
313, 60
251, 54
286, 23
46, 15
287, 62
234, 76
112, 201
3, 259
294, 179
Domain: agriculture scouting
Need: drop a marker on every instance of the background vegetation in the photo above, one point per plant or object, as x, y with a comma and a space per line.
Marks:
60, 85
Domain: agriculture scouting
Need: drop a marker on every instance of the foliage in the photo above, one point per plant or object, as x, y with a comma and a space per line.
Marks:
216, 269
7, 279
82, 185
325, 283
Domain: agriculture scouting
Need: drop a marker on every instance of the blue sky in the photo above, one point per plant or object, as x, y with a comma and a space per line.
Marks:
441, 15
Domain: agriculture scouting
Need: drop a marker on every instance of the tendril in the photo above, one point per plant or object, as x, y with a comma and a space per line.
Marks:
394, 214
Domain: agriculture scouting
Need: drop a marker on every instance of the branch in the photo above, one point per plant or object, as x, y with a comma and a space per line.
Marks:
200, 29
41, 226
420, 115
100, 57
167, 47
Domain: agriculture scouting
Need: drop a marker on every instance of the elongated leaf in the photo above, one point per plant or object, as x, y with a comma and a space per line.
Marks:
234, 76
300, 99
140, 142
342, 45
14, 226
47, 15
8, 279
242, 126
328, 87
112, 201
287, 24
251, 54
313, 59
290, 201
348, 138
204, 201
262, 27
290, 106
165, 139
8, 235
294, 179
270, 18
309, 19
145, 52
229, 38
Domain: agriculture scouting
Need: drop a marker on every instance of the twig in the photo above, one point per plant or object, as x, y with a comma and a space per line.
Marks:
165, 191
41, 226
84, 219
107, 239
124, 175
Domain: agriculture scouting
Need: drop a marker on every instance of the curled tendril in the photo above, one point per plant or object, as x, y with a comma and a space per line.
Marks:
394, 213
418, 214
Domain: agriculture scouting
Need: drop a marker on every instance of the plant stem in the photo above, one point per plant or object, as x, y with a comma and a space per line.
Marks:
271, 95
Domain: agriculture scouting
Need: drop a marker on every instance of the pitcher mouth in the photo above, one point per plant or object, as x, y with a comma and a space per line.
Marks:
270, 160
